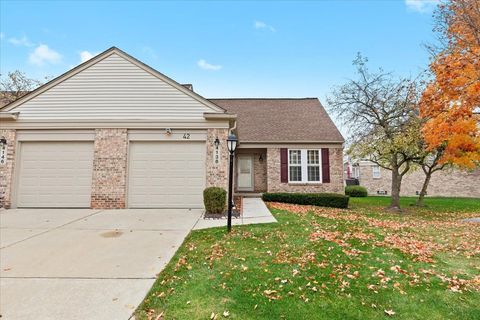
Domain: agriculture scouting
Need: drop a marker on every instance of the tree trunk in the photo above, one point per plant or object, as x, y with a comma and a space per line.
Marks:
396, 184
423, 192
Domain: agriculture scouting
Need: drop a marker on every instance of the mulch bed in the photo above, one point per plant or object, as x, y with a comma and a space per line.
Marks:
235, 214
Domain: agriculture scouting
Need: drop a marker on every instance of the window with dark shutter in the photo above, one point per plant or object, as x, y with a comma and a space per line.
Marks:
325, 165
284, 165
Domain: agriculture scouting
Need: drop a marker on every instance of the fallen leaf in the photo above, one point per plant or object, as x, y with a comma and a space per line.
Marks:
389, 312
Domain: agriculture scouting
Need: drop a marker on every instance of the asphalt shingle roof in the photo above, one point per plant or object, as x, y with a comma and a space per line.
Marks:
281, 120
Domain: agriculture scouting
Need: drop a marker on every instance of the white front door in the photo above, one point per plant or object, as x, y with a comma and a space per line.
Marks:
245, 173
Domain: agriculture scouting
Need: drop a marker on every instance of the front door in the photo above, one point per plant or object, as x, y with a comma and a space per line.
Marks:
245, 173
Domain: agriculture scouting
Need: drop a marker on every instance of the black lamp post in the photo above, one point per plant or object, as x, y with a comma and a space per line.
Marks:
232, 145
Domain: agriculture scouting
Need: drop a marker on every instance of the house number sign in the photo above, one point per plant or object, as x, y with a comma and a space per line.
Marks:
3, 153
216, 154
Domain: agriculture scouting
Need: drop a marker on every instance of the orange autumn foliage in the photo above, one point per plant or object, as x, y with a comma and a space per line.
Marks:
450, 101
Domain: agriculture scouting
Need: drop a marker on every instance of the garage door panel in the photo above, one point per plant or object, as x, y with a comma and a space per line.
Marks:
166, 174
55, 174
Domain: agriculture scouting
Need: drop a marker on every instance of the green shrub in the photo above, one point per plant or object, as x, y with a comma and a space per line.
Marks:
333, 200
215, 200
356, 191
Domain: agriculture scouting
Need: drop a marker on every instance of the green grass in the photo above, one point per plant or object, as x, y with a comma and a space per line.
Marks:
437, 204
275, 271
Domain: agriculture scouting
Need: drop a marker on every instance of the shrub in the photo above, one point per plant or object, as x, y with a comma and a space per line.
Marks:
215, 200
356, 191
332, 200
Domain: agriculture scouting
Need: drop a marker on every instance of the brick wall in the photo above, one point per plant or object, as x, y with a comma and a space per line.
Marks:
217, 175
336, 174
6, 170
109, 169
453, 183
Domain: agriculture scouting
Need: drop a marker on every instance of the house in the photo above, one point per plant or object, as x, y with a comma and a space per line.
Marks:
445, 183
115, 133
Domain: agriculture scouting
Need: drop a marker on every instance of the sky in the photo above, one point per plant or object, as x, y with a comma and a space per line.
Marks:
225, 49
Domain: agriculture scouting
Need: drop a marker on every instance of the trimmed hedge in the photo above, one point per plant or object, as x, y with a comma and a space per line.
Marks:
332, 200
356, 191
215, 200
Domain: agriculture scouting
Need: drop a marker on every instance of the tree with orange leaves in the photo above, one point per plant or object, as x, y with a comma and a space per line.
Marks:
450, 102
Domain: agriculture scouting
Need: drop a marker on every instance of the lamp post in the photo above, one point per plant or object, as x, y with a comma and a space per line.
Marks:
232, 145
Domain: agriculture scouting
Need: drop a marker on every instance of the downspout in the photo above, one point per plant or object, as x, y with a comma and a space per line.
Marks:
234, 127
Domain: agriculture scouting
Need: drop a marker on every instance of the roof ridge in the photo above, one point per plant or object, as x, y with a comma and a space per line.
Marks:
306, 98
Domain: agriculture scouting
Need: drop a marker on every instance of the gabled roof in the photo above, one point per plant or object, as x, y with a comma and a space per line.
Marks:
281, 120
99, 57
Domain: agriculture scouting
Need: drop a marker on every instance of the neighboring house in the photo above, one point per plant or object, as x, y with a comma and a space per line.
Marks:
446, 183
115, 133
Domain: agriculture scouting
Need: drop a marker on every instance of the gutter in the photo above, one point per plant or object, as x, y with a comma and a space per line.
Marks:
5, 115
219, 116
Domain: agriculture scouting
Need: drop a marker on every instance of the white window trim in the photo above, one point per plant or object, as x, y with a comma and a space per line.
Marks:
374, 176
304, 166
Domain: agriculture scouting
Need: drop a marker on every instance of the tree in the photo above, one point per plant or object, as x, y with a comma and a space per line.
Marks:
449, 102
15, 85
381, 113
429, 162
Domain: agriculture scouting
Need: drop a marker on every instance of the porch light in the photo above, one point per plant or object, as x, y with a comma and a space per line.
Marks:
232, 145
260, 159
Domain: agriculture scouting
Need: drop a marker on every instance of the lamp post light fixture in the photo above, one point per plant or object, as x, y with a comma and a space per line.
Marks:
232, 142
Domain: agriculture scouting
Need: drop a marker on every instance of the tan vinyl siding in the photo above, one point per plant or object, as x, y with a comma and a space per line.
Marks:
113, 89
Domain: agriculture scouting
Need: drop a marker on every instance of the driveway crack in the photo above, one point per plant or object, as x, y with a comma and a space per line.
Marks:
55, 228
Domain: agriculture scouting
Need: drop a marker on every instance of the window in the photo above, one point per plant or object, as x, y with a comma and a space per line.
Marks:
376, 172
304, 166
356, 172
313, 165
295, 165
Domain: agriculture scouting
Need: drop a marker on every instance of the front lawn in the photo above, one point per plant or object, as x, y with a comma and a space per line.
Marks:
324, 263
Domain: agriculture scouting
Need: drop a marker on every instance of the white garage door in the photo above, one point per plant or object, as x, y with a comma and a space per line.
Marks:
166, 174
55, 174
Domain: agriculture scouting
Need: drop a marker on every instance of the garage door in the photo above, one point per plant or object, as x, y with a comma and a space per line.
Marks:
55, 174
166, 174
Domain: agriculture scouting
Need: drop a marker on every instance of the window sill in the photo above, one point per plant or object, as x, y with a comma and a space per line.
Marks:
292, 183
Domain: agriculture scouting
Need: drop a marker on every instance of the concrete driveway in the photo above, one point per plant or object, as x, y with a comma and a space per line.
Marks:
84, 264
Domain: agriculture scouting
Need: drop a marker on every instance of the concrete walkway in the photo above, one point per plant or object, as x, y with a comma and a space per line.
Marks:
254, 211
84, 264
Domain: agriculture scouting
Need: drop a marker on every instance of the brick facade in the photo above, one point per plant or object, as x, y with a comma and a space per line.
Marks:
109, 169
217, 174
109, 177
6, 170
447, 183
336, 174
